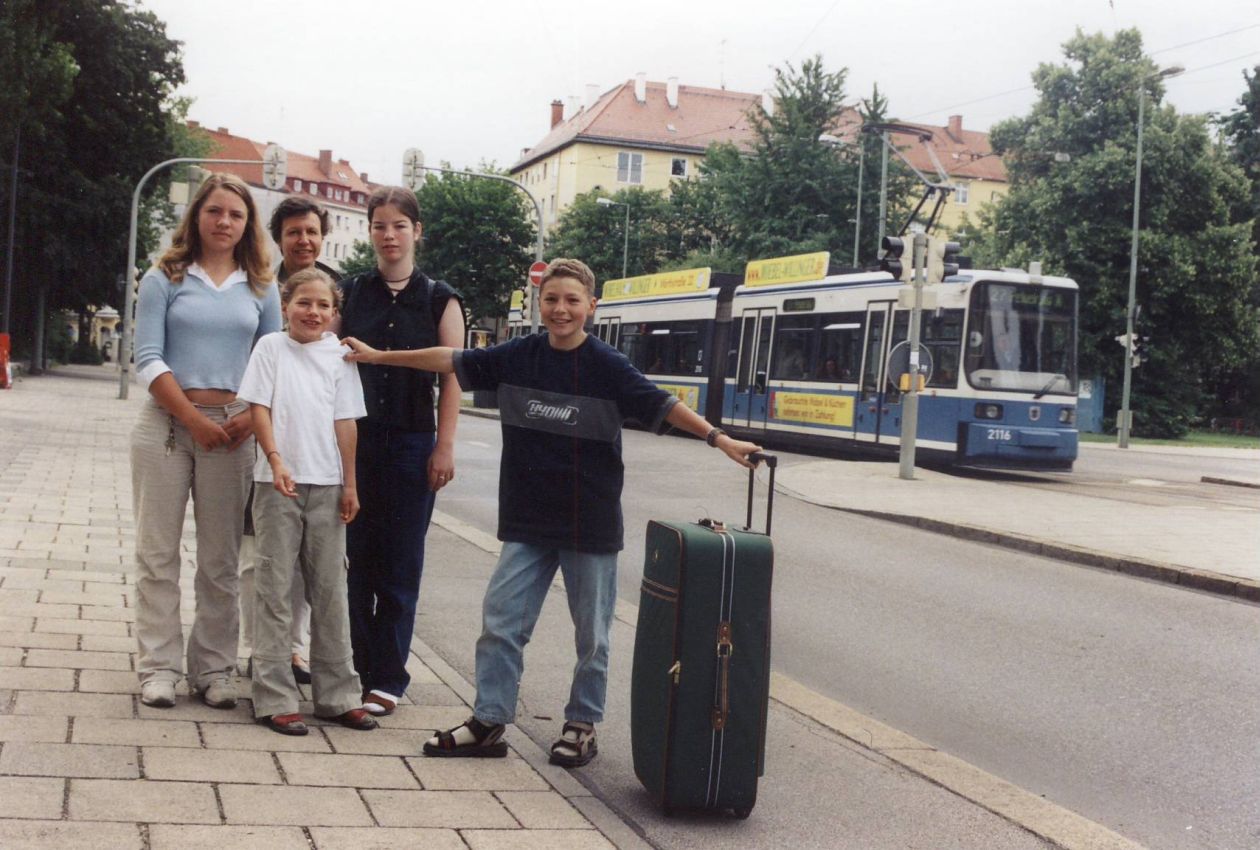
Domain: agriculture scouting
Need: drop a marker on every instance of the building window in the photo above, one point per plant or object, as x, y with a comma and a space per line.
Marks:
678, 167
297, 185
629, 167
961, 190
544, 174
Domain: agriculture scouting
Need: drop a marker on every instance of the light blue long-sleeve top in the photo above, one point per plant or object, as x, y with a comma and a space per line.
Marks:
200, 332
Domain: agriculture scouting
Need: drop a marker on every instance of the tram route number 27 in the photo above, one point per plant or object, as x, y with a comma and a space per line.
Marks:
999, 433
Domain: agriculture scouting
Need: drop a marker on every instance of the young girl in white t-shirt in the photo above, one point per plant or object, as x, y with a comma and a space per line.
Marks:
304, 399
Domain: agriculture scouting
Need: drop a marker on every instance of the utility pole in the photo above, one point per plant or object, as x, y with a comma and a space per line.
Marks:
910, 399
883, 186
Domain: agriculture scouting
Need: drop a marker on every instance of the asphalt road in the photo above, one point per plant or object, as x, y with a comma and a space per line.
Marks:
1128, 701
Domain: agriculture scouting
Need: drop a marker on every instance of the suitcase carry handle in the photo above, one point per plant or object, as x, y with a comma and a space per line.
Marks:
772, 461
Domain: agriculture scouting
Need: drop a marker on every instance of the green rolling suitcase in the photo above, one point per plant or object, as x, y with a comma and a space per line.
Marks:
700, 685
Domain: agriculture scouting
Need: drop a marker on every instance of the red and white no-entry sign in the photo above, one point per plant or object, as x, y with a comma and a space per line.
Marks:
536, 272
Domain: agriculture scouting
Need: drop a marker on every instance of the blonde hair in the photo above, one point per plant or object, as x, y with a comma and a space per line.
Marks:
575, 269
250, 253
305, 276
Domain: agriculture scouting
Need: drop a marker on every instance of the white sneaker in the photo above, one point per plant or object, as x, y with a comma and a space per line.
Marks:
219, 694
158, 693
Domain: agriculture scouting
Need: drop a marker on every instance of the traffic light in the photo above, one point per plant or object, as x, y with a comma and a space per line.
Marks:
890, 260
1141, 350
942, 260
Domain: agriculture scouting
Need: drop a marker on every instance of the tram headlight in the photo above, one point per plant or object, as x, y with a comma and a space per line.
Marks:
1067, 416
988, 410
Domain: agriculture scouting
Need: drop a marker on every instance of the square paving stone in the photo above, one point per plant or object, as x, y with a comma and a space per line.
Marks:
249, 736
348, 770
52, 704
11, 656
385, 838
17, 596
239, 766
280, 805
380, 742
32, 640
28, 797
112, 613
80, 627
425, 718
78, 660
83, 760
536, 839
149, 733
449, 809
63, 835
12, 623
183, 837
108, 682
510, 774
37, 678
37, 609
142, 801
99, 597
37, 580
543, 810
34, 730
108, 643
90, 576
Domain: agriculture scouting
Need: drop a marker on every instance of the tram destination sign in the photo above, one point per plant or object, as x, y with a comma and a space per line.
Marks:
686, 282
781, 270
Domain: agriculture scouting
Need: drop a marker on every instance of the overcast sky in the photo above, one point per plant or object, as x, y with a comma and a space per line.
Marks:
470, 80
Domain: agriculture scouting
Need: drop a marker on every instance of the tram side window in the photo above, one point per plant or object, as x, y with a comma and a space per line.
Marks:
942, 335
792, 348
634, 344
840, 348
683, 350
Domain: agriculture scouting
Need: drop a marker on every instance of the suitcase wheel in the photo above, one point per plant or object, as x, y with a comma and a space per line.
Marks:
742, 814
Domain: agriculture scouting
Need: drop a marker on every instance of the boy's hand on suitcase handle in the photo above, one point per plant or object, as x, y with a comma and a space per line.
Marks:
744, 453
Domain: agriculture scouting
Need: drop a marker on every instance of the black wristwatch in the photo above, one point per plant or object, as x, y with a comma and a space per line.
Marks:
711, 437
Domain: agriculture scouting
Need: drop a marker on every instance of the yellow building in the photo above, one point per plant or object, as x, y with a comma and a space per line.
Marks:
638, 133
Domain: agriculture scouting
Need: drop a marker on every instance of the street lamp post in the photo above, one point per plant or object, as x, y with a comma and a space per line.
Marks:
1126, 415
625, 245
836, 142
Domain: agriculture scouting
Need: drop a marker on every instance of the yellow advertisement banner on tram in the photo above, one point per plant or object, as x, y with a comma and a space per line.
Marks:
689, 396
780, 270
813, 408
655, 285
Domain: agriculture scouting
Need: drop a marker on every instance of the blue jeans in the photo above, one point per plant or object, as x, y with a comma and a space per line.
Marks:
385, 547
513, 602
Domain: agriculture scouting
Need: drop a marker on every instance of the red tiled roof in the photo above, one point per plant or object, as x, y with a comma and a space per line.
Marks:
300, 166
962, 153
703, 115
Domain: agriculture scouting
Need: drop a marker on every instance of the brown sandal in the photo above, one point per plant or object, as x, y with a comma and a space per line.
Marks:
487, 743
355, 718
285, 724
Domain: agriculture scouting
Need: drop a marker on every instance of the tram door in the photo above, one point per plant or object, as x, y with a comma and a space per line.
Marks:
612, 332
751, 397
877, 418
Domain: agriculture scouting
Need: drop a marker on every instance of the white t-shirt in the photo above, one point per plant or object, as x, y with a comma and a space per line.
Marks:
308, 387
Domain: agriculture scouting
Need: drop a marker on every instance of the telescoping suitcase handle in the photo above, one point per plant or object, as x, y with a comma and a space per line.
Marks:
771, 462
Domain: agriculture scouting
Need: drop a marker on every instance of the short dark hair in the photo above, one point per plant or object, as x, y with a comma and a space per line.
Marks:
295, 206
575, 269
397, 196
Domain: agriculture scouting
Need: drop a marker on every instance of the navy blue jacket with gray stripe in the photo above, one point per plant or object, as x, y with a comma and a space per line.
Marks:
560, 476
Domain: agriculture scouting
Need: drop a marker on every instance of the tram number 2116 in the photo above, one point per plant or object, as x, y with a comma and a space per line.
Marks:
999, 433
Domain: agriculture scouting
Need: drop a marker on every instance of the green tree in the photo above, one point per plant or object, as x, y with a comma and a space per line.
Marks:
362, 258
479, 236
1194, 280
86, 150
596, 234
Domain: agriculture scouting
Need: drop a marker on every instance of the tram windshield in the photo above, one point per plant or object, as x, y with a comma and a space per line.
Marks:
1022, 338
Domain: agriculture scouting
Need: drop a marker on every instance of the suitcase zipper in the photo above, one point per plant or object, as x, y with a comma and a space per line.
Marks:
675, 670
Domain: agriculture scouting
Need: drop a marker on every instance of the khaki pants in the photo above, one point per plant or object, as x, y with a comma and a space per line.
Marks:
162, 481
300, 633
303, 533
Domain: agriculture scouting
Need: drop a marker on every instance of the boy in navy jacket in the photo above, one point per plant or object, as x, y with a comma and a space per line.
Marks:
562, 398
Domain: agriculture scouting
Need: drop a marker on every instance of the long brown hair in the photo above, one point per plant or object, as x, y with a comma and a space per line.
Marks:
250, 253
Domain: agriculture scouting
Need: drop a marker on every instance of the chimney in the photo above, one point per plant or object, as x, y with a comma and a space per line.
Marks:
592, 95
363, 177
640, 87
224, 131
557, 111
325, 162
341, 161
671, 92
194, 124
767, 102
955, 128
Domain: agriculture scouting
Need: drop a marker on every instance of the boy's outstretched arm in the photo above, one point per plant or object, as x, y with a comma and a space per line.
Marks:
436, 359
684, 418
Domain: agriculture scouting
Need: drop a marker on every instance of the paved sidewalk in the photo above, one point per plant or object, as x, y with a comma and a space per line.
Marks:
83, 764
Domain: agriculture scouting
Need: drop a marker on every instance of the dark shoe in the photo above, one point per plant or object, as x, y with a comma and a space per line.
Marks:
355, 718
285, 724
486, 743
575, 746
301, 674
